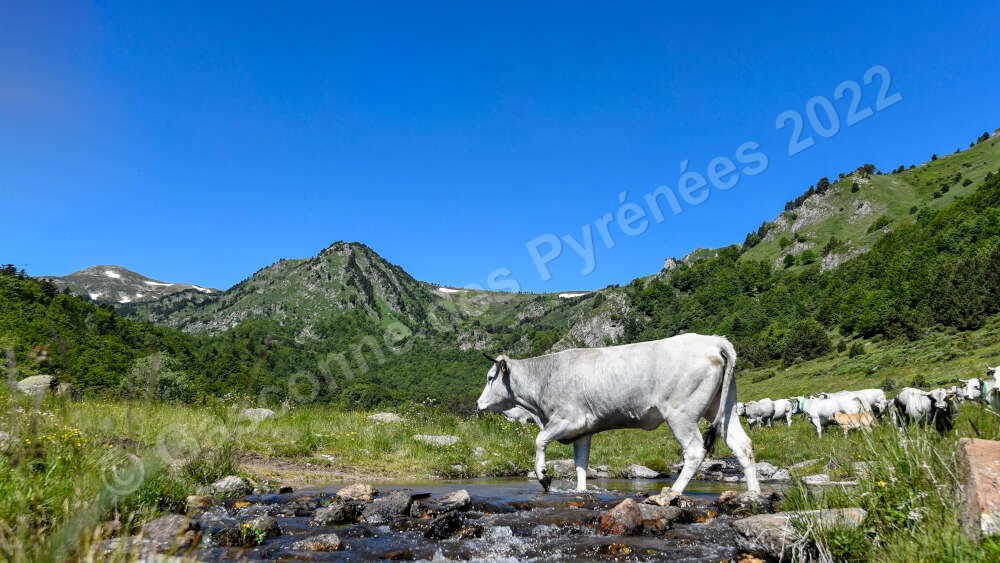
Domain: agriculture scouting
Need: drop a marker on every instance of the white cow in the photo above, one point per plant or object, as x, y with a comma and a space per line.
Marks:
914, 405
577, 393
868, 397
820, 411
758, 412
785, 408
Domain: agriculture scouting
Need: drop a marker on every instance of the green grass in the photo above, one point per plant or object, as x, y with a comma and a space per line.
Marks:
892, 195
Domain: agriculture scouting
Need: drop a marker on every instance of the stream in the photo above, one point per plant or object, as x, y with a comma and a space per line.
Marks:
508, 520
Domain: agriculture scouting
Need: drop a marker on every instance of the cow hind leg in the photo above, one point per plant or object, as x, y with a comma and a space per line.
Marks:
742, 446
689, 437
581, 458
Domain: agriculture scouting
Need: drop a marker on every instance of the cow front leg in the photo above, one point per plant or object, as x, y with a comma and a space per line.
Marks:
552, 431
581, 458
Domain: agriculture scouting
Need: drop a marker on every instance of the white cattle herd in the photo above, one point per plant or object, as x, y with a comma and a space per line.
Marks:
852, 410
574, 394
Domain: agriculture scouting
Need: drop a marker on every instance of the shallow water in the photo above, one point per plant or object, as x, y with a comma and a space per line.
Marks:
519, 523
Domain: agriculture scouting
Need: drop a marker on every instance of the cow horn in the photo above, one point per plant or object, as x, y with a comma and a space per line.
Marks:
489, 357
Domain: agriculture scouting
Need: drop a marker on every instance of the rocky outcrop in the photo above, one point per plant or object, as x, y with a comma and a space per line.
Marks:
36, 384
322, 542
775, 535
172, 533
388, 417
229, 486
980, 462
625, 519
257, 415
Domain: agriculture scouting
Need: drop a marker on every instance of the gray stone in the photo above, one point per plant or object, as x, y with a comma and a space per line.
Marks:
383, 510
775, 535
36, 384
455, 500
765, 470
266, 526
781, 475
817, 479
436, 440
804, 464
479, 452
357, 491
340, 511
229, 486
636, 471
321, 542
171, 533
257, 415
198, 503
387, 417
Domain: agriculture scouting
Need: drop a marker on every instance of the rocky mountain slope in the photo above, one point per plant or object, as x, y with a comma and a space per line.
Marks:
117, 285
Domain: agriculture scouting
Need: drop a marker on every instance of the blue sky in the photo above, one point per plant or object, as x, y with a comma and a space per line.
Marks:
199, 144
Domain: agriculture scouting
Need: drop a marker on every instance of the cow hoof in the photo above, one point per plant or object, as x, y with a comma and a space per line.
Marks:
545, 481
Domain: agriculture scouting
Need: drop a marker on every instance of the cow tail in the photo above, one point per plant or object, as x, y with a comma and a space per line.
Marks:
728, 354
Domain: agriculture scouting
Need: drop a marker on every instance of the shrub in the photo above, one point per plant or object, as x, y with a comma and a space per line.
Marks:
857, 349
806, 340
881, 222
789, 261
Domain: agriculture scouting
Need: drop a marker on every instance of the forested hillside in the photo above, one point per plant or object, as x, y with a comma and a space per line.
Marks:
868, 256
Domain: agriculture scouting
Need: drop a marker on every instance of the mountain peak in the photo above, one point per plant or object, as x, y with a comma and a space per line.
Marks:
117, 285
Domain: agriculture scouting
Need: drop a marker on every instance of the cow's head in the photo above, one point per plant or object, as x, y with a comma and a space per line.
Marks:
973, 389
941, 408
992, 371
497, 395
880, 407
741, 409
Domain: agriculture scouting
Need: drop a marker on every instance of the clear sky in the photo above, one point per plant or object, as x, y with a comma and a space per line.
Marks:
201, 141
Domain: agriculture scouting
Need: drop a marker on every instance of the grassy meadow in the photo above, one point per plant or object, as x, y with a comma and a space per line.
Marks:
72, 466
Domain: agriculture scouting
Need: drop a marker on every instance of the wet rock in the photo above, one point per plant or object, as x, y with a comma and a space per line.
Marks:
383, 510
36, 384
340, 511
398, 555
266, 525
658, 519
667, 497
444, 526
387, 417
357, 491
745, 503
198, 503
171, 533
257, 415
285, 490
469, 532
775, 536
625, 519
636, 471
455, 500
301, 507
322, 542
229, 486
443, 441
980, 463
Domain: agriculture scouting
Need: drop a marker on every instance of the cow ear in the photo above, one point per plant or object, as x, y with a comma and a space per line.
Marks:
504, 368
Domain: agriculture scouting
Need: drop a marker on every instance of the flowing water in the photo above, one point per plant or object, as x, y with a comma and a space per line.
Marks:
516, 521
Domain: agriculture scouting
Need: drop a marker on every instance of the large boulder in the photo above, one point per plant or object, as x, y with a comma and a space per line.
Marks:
980, 462
625, 519
436, 440
455, 500
775, 535
658, 519
36, 384
171, 533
